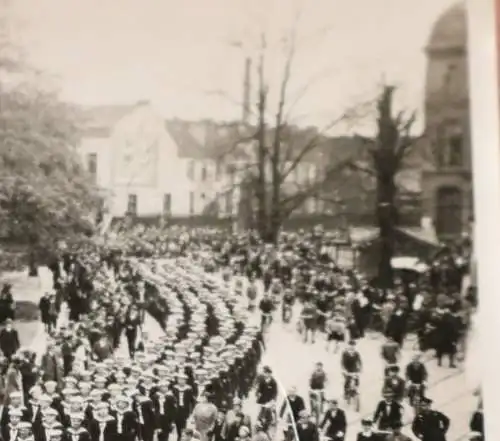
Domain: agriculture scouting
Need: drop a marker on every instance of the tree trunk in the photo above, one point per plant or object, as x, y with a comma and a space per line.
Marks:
32, 264
275, 219
260, 190
386, 217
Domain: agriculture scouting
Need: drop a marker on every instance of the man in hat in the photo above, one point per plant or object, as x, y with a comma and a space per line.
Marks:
76, 431
367, 433
9, 340
48, 424
294, 404
50, 365
429, 424
335, 422
394, 383
127, 427
103, 425
16, 404
143, 407
25, 432
165, 409
44, 307
185, 398
306, 429
388, 412
10, 424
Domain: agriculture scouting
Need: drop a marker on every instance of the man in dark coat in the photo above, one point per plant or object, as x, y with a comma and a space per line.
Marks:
396, 326
430, 425
335, 422
127, 427
44, 307
388, 412
9, 340
307, 430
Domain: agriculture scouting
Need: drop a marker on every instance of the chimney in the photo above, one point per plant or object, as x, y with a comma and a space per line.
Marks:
246, 90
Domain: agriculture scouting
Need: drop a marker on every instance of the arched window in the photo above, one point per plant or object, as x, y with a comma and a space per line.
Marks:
449, 146
449, 210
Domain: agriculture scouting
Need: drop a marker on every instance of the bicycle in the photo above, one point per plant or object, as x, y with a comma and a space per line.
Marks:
267, 418
351, 392
414, 393
316, 397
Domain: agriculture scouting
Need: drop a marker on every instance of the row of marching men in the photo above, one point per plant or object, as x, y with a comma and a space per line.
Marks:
154, 394
121, 403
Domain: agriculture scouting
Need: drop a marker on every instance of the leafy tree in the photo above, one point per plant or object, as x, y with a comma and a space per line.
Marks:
45, 194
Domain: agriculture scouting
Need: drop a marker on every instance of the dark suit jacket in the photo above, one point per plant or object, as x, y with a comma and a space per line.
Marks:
165, 420
335, 423
386, 418
82, 435
186, 405
144, 408
129, 427
109, 430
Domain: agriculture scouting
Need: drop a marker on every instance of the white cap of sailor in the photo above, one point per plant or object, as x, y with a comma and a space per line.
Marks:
49, 413
15, 413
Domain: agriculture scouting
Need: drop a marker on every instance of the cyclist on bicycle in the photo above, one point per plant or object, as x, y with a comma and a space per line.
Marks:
267, 389
351, 365
317, 385
394, 383
266, 307
335, 329
291, 407
416, 377
390, 354
335, 422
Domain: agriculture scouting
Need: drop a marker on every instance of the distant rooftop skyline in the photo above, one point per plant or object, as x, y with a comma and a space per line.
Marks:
176, 54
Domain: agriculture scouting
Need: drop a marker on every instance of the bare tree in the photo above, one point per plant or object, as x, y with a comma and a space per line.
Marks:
281, 148
388, 150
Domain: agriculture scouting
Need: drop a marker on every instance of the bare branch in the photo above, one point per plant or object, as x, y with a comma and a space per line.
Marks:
295, 200
310, 146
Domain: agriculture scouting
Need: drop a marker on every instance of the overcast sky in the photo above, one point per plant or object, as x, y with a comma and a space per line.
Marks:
176, 53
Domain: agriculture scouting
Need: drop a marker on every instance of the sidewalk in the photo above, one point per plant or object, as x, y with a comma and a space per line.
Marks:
29, 290
151, 326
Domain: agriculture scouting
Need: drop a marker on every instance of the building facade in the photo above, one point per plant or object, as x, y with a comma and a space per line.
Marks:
447, 182
149, 167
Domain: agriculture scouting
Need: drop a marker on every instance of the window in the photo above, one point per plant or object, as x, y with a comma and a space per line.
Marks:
204, 173
191, 202
92, 165
202, 196
229, 202
190, 170
132, 205
167, 204
455, 150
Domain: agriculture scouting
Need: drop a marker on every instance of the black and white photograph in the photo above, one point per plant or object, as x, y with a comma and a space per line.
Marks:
229, 220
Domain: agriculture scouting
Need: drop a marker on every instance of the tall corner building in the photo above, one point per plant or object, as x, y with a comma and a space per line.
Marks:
447, 182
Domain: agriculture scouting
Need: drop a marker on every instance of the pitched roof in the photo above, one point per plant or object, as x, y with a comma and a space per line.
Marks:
100, 120
207, 139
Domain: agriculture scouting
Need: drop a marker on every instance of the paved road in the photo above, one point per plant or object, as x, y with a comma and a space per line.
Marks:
292, 362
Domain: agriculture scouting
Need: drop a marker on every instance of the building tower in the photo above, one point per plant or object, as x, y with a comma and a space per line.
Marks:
447, 185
